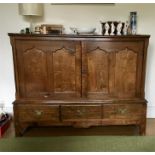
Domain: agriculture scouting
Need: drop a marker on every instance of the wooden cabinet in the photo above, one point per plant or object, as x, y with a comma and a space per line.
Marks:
80, 81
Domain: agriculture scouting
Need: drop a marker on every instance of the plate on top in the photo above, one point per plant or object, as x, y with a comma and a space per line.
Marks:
83, 31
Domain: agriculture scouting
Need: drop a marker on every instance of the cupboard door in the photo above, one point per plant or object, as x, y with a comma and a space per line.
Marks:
49, 69
65, 69
111, 69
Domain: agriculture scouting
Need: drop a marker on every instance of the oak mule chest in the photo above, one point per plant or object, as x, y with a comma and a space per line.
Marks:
79, 81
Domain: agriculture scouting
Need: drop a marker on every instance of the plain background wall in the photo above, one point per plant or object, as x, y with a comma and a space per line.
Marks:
74, 16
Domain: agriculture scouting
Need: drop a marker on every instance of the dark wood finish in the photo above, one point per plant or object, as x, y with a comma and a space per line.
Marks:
79, 81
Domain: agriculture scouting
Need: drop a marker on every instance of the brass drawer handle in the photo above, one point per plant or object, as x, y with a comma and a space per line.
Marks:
38, 112
80, 112
122, 111
46, 95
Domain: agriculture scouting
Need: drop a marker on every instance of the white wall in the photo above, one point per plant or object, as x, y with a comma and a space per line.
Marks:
74, 15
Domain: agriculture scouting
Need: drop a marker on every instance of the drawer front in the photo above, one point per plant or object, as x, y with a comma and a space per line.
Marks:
78, 112
38, 113
119, 111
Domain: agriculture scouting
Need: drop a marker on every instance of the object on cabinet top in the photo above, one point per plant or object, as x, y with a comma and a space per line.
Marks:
84, 30
52, 29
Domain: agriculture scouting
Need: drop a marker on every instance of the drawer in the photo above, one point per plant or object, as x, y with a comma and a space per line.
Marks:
34, 113
123, 110
78, 112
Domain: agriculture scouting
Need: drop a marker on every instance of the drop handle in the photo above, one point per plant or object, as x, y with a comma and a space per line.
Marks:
38, 112
80, 112
46, 95
122, 111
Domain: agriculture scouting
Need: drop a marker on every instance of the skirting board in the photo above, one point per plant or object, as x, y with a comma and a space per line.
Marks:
151, 112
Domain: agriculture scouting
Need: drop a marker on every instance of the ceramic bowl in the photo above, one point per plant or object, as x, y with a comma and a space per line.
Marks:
84, 30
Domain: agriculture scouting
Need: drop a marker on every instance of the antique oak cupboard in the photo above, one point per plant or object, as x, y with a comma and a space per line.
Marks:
79, 81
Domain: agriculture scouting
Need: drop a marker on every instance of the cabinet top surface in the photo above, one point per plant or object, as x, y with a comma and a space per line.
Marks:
77, 36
